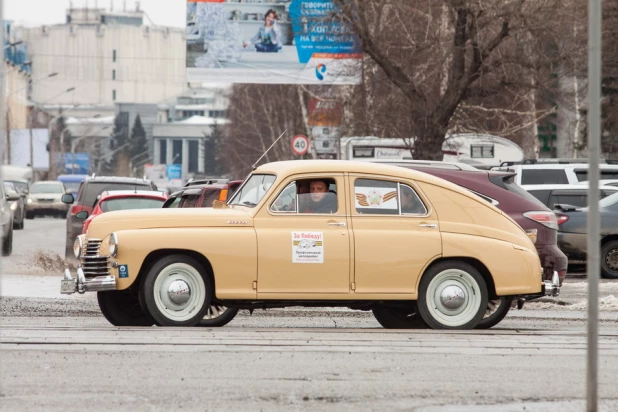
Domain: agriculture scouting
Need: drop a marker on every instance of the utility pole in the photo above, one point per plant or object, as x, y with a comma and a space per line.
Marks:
31, 143
8, 133
2, 66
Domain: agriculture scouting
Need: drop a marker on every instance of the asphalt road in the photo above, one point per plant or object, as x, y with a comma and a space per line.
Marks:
58, 353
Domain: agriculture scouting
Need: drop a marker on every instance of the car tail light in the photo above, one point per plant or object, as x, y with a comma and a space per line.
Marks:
562, 218
75, 209
223, 195
532, 234
545, 218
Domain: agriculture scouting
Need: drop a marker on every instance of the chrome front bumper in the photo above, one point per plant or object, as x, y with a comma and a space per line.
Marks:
552, 287
81, 284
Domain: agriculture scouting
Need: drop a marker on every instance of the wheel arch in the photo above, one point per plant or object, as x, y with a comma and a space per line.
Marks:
158, 254
475, 263
608, 239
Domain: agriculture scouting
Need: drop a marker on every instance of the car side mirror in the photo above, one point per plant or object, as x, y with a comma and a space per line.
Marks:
67, 198
82, 215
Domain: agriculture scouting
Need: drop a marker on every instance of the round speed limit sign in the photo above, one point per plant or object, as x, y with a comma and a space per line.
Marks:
300, 144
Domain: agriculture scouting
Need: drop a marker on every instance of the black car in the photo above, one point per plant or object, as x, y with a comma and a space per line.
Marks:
573, 234
87, 195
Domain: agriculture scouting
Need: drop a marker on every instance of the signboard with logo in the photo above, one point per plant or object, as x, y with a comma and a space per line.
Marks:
325, 112
173, 171
75, 163
263, 41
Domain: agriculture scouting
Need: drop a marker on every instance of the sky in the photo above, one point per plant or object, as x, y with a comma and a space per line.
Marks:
46, 12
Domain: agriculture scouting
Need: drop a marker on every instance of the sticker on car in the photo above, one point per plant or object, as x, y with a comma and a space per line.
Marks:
307, 247
123, 271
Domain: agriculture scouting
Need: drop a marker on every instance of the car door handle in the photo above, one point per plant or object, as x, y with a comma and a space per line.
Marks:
342, 224
428, 225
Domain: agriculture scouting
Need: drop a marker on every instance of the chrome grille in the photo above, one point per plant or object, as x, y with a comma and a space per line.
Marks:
92, 263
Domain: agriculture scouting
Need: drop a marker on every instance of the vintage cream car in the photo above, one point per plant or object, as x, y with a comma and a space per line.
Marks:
414, 249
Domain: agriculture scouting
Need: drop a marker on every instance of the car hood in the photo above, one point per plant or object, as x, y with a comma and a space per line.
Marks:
106, 223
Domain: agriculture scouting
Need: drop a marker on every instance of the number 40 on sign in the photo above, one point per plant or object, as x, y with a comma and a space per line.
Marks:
300, 144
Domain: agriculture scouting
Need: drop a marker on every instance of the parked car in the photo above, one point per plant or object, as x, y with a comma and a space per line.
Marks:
45, 198
113, 200
386, 239
573, 234
87, 195
6, 220
576, 195
557, 173
17, 204
202, 193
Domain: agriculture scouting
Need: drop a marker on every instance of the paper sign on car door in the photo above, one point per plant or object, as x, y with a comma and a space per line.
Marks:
307, 247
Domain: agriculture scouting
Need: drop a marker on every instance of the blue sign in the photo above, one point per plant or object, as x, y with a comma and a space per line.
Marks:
123, 271
76, 163
173, 171
317, 33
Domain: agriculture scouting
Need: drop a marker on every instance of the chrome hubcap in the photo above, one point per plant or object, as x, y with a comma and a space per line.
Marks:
452, 297
179, 292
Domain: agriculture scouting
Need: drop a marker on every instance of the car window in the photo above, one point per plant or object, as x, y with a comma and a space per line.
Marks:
94, 189
580, 200
582, 174
308, 196
131, 203
190, 200
253, 190
543, 176
286, 201
609, 201
381, 197
46, 188
210, 195
508, 183
21, 186
542, 195
172, 202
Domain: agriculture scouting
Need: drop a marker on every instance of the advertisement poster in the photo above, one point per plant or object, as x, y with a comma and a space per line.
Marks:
269, 41
307, 247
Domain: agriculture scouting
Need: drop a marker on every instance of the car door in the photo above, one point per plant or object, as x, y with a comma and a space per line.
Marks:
302, 252
396, 234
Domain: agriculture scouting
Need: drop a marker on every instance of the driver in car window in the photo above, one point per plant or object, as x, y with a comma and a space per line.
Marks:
319, 199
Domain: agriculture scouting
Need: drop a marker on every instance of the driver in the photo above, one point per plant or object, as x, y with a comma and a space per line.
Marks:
320, 199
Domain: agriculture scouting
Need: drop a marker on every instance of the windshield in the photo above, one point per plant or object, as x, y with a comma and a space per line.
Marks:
72, 186
253, 190
46, 188
131, 203
609, 201
21, 186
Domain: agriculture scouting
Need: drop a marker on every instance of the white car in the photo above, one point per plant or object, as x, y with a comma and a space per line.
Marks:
575, 195
557, 173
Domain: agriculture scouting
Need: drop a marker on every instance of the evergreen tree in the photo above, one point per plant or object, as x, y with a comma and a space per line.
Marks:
119, 160
63, 146
138, 143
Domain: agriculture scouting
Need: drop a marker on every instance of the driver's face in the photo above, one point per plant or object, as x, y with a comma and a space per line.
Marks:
318, 190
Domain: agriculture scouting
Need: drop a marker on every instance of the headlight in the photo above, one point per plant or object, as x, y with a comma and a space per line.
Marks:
112, 245
29, 200
77, 247
14, 206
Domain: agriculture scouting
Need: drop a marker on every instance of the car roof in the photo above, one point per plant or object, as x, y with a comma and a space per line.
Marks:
426, 163
131, 193
118, 179
47, 182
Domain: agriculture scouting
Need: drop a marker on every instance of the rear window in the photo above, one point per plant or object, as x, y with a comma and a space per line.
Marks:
131, 203
582, 174
94, 189
508, 183
543, 176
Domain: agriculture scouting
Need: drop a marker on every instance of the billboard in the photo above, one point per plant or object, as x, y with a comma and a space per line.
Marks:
73, 163
269, 41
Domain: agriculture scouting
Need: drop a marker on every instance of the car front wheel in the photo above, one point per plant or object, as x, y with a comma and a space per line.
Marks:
177, 291
609, 260
452, 295
395, 317
122, 308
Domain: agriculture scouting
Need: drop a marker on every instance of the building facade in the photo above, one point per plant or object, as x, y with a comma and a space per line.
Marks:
105, 57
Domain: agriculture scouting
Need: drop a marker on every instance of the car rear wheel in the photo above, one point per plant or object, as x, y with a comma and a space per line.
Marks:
122, 308
497, 309
452, 295
609, 260
7, 244
392, 317
218, 316
177, 291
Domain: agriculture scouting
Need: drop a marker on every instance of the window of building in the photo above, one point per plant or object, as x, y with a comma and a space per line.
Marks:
114, 55
177, 151
113, 94
484, 151
113, 74
162, 151
216, 113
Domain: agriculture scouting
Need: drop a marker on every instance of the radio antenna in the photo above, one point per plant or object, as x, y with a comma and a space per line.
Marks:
271, 146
